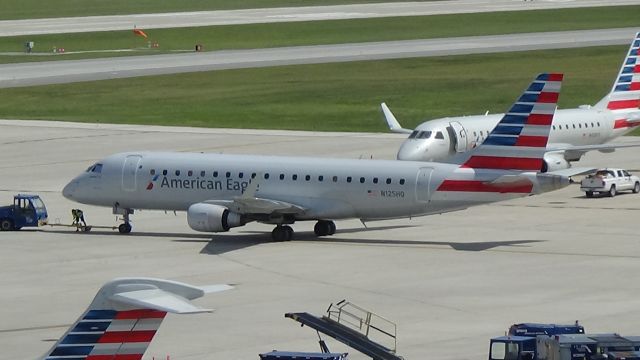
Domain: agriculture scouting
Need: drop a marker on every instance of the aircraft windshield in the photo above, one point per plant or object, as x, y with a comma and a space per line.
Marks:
417, 134
95, 168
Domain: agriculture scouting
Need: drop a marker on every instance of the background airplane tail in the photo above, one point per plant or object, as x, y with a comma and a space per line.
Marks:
519, 140
123, 319
624, 98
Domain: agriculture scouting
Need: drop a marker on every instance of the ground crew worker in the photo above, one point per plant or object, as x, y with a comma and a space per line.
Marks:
78, 216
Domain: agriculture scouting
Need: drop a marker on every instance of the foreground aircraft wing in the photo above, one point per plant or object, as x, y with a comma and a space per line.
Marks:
572, 171
393, 124
585, 148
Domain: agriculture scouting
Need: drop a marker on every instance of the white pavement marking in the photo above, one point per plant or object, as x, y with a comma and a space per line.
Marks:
271, 15
58, 72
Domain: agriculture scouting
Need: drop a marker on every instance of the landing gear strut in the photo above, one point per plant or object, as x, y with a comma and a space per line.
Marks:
124, 228
324, 228
282, 233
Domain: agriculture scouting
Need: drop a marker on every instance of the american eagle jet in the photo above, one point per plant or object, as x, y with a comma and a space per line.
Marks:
221, 191
574, 131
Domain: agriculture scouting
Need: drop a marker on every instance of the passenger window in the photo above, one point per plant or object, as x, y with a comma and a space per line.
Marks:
439, 135
348, 179
580, 126
566, 126
190, 173
253, 175
202, 173
266, 176
474, 134
554, 127
241, 175
294, 177
401, 181
375, 180
335, 179
592, 125
574, 126
307, 177
320, 178
164, 172
388, 181
177, 172
281, 176
152, 171
361, 180
598, 123
215, 174
228, 174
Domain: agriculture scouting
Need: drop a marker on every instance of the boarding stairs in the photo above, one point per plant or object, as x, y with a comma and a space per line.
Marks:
355, 327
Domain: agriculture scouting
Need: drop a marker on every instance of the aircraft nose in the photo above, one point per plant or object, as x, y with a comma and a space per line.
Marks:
412, 151
70, 189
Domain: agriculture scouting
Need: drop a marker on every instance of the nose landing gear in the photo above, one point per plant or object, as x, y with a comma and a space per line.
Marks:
124, 228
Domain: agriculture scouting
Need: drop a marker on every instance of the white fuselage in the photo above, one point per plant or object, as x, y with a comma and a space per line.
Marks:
325, 188
582, 126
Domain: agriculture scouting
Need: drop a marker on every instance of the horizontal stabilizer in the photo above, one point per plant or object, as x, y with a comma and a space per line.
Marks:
209, 289
157, 299
393, 124
572, 171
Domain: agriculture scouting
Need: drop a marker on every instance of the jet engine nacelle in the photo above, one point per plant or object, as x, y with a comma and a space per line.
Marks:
554, 161
212, 218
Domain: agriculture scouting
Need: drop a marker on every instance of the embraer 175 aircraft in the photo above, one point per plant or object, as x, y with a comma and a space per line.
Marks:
124, 317
574, 131
221, 191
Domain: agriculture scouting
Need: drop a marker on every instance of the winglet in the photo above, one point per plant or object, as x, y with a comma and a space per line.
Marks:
123, 318
393, 124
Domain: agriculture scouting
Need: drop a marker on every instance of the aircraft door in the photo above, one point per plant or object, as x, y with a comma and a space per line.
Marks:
460, 134
423, 185
129, 171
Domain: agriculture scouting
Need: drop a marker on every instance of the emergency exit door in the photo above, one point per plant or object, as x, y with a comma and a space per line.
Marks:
129, 171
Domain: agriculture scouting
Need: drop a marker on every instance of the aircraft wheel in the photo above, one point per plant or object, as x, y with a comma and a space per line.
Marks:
6, 225
636, 188
124, 228
332, 228
589, 194
612, 191
282, 233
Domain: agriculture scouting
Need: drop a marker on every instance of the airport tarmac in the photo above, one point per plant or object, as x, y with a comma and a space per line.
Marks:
449, 281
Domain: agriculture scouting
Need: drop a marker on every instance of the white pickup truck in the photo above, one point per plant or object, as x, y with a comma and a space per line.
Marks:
610, 181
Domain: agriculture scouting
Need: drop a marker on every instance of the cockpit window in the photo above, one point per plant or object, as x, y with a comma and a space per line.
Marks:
413, 134
439, 135
424, 134
95, 168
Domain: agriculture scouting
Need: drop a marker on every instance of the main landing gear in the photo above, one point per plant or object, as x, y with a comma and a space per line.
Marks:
125, 227
285, 232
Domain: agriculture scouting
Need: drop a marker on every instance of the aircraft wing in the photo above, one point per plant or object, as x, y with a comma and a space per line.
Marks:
572, 171
584, 148
256, 205
393, 124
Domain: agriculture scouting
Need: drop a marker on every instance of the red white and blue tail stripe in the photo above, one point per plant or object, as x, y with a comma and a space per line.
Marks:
624, 98
519, 140
123, 319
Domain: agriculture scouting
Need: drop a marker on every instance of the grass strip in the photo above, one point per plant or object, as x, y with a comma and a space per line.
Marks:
322, 32
326, 97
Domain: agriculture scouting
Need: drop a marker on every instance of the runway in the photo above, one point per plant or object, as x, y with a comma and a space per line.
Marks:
449, 281
59, 72
272, 15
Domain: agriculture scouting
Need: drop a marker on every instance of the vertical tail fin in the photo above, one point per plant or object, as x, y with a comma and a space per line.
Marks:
123, 318
519, 140
624, 97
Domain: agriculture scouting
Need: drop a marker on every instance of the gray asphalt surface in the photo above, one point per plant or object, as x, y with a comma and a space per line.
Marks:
248, 16
57, 72
449, 281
